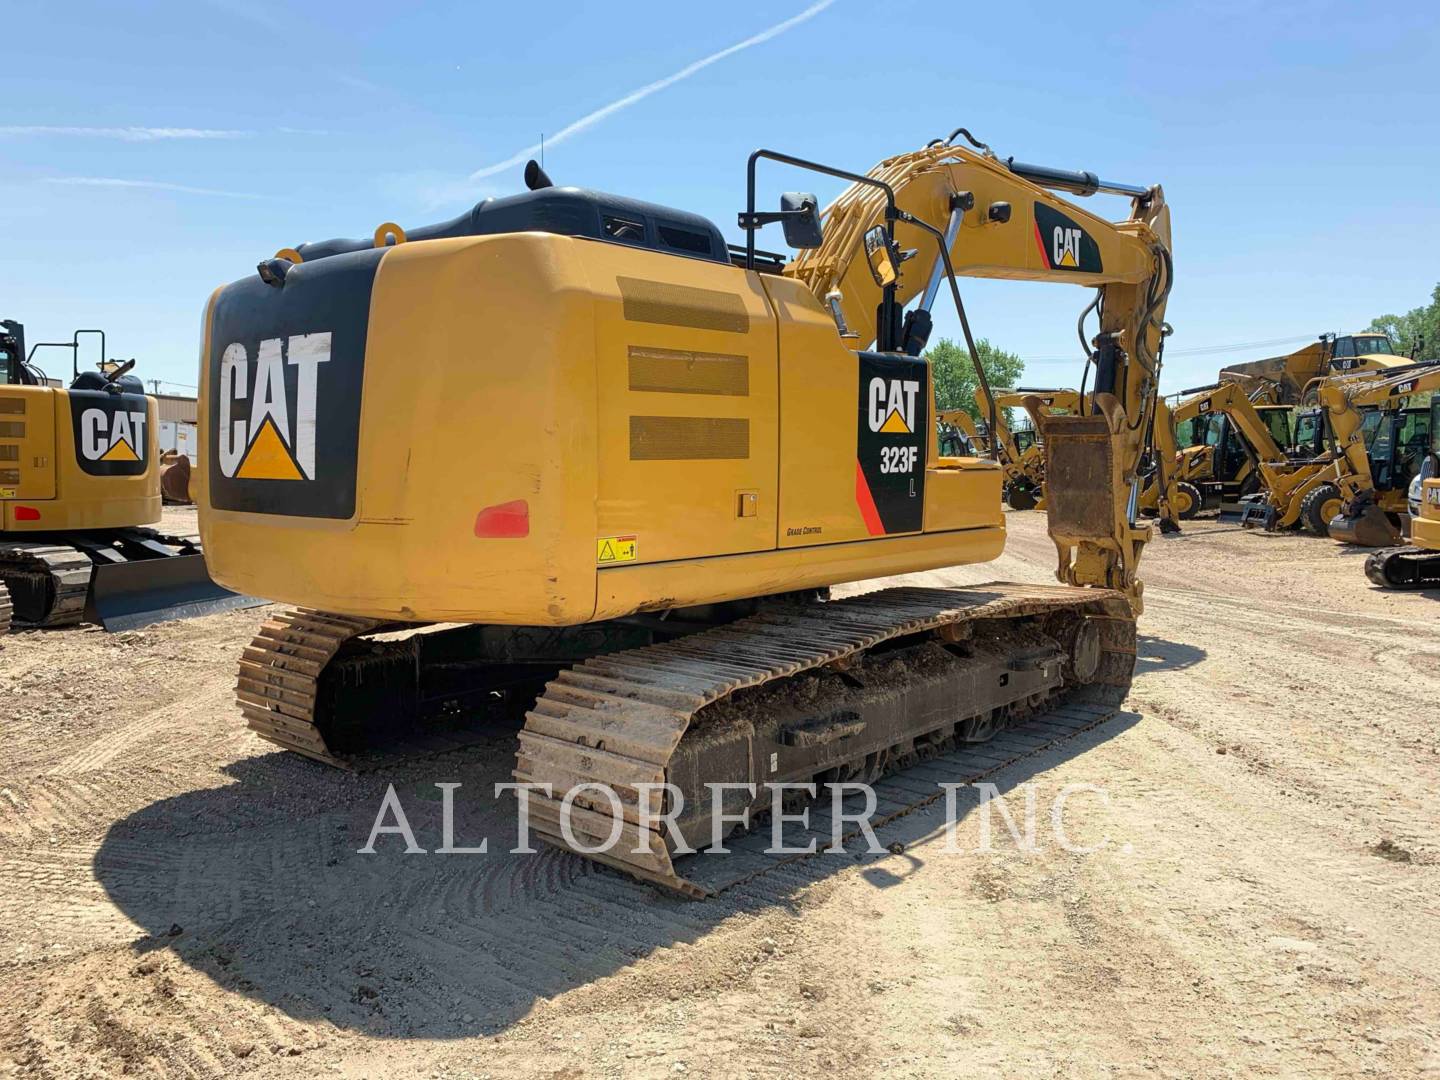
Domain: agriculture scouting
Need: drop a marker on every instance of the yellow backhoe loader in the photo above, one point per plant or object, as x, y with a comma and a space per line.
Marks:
631, 461
1213, 455
1372, 454
1385, 442
1292, 379
79, 477
1416, 565
1019, 450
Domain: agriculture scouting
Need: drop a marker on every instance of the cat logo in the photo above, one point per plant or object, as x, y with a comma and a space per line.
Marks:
1063, 243
1065, 249
111, 432
1203, 407
892, 405
277, 440
112, 436
1406, 387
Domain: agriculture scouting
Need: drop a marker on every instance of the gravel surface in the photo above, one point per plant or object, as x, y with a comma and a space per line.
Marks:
178, 899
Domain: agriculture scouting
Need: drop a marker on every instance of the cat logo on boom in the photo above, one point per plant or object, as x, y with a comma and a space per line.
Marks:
1064, 244
280, 383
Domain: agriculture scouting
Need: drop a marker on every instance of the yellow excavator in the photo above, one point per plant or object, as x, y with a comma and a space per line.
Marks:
630, 461
1294, 378
79, 480
1019, 451
1416, 565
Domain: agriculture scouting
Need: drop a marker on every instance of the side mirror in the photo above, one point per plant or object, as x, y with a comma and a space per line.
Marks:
800, 217
880, 258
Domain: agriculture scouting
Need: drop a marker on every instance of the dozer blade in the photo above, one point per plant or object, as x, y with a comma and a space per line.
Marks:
127, 595
1369, 527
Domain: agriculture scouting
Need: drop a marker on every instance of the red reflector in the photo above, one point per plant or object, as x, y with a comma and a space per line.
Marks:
26, 513
504, 519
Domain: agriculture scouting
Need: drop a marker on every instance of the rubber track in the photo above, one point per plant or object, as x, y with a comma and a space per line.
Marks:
1378, 563
616, 720
70, 569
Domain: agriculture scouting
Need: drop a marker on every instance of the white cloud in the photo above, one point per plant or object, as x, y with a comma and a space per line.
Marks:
590, 120
124, 134
152, 185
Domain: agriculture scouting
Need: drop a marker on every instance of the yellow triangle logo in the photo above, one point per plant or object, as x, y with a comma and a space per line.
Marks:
607, 553
1068, 259
121, 451
267, 458
894, 424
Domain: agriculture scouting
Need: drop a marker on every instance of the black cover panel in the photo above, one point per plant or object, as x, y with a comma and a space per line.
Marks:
264, 457
110, 432
891, 441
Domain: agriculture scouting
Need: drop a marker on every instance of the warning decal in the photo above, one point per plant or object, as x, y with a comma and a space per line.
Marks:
614, 549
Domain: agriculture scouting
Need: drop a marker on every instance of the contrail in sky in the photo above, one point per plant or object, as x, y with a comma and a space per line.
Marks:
125, 134
153, 185
590, 120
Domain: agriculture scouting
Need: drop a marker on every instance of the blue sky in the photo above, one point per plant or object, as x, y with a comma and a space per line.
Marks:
149, 152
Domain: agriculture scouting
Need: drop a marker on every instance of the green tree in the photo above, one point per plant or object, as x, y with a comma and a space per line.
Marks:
1417, 324
954, 374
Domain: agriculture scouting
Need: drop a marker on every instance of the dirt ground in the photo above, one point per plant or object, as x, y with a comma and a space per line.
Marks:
178, 899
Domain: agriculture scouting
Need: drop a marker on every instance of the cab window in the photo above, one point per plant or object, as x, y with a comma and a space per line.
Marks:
1344, 348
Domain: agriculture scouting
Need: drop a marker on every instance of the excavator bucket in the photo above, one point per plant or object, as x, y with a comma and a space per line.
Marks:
127, 595
175, 479
1366, 526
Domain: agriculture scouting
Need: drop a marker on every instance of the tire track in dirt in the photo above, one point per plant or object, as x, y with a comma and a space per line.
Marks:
148, 728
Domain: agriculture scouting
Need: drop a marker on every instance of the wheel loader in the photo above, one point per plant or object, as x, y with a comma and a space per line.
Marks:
1416, 565
79, 480
573, 452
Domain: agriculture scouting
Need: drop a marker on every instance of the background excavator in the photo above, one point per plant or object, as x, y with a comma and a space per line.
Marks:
657, 453
1018, 449
79, 476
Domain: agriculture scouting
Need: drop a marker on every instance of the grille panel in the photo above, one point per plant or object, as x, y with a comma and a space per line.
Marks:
688, 438
682, 305
681, 372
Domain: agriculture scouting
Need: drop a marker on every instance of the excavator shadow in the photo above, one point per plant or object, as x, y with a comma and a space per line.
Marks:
1157, 654
259, 886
